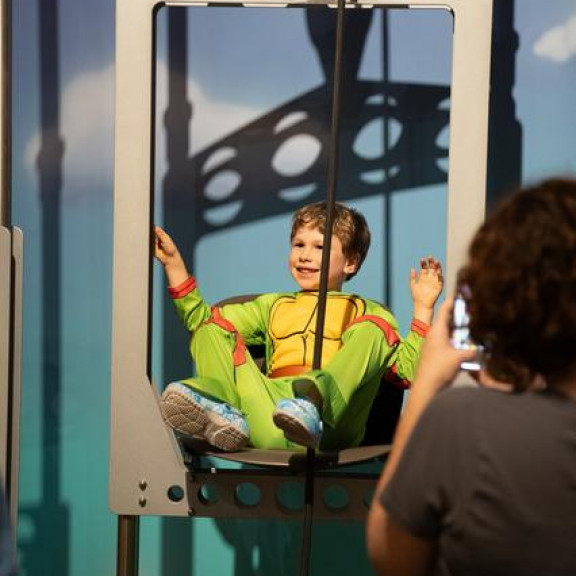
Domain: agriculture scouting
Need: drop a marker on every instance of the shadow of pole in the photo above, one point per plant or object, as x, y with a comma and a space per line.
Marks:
505, 131
177, 533
411, 161
386, 138
51, 519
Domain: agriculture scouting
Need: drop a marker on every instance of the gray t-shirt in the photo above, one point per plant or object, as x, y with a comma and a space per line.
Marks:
492, 477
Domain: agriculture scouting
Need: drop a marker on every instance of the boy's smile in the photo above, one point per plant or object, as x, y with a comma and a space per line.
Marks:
305, 260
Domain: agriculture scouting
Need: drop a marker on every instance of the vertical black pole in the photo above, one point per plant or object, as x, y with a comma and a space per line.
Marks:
332, 177
128, 540
333, 159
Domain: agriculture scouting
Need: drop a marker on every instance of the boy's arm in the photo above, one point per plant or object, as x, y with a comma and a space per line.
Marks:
181, 286
426, 286
249, 319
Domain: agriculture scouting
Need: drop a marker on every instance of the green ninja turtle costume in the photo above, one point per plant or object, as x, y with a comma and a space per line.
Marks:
361, 346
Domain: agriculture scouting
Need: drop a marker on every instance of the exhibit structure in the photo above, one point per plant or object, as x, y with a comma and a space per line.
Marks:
11, 253
150, 472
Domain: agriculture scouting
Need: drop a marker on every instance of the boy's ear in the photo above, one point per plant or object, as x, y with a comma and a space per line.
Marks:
351, 266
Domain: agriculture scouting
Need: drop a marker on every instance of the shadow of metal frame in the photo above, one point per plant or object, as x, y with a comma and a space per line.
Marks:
146, 462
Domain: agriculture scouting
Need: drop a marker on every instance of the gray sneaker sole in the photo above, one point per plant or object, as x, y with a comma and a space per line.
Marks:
293, 429
189, 418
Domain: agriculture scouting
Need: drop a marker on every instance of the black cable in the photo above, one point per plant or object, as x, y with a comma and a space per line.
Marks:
332, 176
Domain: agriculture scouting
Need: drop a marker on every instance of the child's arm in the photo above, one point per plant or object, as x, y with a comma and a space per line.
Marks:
426, 287
166, 252
248, 318
182, 287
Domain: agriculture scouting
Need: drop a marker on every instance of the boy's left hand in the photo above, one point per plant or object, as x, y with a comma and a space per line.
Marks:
426, 285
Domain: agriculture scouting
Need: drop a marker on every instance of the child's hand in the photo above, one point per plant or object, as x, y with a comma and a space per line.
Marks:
166, 252
164, 248
426, 286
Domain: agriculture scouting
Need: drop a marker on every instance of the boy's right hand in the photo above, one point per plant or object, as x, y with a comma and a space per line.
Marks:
164, 248
167, 253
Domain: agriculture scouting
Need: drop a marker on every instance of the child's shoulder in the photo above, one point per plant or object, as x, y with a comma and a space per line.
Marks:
365, 306
263, 299
369, 302
268, 298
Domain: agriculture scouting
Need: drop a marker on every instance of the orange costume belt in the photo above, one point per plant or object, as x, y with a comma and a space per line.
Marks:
285, 371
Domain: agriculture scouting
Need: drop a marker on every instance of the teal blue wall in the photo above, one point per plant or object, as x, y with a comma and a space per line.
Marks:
62, 181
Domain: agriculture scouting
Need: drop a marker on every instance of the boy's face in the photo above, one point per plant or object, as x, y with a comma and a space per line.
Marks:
306, 260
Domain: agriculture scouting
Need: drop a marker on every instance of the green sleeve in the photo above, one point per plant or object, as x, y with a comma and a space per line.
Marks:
191, 308
402, 362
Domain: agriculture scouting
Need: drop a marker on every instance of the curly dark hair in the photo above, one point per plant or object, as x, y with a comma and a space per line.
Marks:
349, 226
522, 277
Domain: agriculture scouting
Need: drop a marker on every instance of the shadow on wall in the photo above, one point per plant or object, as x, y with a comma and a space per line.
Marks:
411, 161
41, 555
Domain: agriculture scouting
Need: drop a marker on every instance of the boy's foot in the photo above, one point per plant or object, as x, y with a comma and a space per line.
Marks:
300, 421
192, 414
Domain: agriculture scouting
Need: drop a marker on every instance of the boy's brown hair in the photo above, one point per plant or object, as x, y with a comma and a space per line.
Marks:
349, 226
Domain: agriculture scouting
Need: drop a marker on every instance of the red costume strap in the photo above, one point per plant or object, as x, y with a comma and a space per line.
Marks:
182, 289
239, 355
391, 336
420, 327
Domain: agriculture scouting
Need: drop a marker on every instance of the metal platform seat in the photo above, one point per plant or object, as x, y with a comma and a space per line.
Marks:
277, 468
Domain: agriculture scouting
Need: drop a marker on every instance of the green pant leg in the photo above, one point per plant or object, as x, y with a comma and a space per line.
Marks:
258, 398
211, 348
243, 386
350, 381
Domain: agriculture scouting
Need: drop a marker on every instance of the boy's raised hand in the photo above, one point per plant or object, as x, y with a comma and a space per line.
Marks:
426, 285
164, 248
167, 253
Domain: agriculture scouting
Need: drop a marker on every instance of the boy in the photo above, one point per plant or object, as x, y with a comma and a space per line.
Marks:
232, 403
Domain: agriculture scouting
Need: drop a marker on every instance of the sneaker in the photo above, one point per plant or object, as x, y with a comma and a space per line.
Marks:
191, 414
300, 421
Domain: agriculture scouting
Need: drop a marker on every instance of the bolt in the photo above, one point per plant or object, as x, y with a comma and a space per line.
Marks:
143, 484
142, 501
